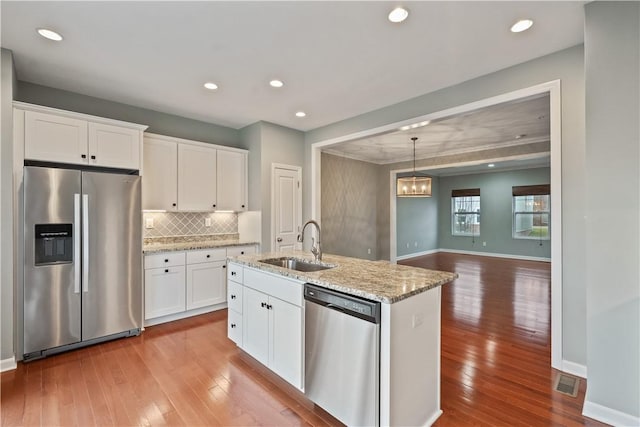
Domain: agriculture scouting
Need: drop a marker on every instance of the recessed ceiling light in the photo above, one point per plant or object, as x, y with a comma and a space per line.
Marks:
211, 86
491, 165
276, 83
49, 34
521, 25
301, 114
398, 14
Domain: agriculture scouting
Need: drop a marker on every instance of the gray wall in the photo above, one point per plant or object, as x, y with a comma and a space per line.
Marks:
496, 213
160, 123
349, 207
417, 221
269, 143
566, 65
612, 69
8, 83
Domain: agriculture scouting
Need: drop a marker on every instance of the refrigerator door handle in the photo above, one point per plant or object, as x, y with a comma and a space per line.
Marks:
85, 243
76, 243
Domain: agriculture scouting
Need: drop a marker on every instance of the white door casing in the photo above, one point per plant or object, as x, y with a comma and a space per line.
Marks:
286, 207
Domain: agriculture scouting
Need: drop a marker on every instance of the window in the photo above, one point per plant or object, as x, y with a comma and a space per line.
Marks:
465, 212
531, 212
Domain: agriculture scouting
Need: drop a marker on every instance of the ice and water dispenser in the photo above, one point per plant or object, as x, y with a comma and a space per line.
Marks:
53, 244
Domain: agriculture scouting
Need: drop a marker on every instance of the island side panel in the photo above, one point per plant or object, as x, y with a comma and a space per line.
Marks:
410, 360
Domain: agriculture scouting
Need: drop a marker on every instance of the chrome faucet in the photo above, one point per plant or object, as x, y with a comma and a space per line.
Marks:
316, 250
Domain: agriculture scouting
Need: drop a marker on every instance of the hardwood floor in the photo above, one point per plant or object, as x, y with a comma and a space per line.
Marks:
495, 367
496, 345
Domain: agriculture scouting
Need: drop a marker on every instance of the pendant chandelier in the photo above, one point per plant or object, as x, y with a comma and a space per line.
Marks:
415, 185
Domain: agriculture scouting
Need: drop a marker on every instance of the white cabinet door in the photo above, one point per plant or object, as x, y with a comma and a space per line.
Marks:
231, 185
196, 178
164, 291
234, 326
53, 138
113, 146
160, 178
255, 325
285, 350
206, 284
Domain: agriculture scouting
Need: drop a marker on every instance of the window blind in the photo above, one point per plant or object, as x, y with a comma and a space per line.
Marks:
465, 192
532, 190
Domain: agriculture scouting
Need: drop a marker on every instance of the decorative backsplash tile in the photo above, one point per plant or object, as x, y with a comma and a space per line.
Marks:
166, 224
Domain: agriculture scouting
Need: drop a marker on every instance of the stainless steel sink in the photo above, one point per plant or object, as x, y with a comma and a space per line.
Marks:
296, 264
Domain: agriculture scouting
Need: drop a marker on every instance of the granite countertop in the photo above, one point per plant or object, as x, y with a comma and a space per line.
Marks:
169, 244
374, 280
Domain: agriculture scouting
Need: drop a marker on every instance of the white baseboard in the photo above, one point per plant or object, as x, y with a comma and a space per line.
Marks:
491, 254
417, 254
184, 314
574, 369
608, 415
8, 364
433, 418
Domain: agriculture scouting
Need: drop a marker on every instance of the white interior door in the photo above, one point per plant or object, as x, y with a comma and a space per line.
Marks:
286, 207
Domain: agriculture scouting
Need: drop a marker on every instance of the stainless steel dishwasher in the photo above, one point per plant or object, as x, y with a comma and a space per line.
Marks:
342, 351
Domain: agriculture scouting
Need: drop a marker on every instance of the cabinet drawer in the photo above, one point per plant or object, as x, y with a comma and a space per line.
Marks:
206, 255
234, 296
234, 327
165, 259
241, 250
285, 289
235, 272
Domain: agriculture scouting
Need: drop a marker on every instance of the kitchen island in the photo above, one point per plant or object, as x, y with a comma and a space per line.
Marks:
409, 341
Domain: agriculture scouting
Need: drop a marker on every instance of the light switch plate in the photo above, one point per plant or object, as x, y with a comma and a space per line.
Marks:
207, 222
148, 223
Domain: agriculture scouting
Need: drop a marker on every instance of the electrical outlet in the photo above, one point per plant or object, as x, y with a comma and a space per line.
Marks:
417, 320
484, 243
148, 223
415, 244
369, 251
207, 222
407, 245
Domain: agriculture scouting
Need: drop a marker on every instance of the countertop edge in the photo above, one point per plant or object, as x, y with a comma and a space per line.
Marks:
191, 246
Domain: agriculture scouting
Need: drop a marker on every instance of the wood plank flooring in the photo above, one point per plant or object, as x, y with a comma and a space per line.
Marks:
495, 367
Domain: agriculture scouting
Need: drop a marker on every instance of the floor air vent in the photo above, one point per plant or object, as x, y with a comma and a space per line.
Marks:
566, 384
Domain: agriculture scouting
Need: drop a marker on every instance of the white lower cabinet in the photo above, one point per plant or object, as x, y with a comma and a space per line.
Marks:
270, 321
186, 283
163, 291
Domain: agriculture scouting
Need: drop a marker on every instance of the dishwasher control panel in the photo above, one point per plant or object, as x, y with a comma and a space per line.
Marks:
351, 305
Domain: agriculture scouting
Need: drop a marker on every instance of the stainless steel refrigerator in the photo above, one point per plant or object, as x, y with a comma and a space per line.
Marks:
82, 260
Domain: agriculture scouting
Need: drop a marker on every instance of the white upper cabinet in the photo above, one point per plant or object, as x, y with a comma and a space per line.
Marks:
232, 180
58, 136
114, 146
160, 179
196, 178
183, 175
55, 139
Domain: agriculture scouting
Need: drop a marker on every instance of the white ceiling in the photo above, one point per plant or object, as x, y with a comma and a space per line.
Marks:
337, 59
522, 122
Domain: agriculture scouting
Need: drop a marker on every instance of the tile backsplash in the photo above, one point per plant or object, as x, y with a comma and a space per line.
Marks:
166, 224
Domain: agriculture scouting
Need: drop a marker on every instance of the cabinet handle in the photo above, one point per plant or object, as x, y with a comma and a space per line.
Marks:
241, 252
224, 266
233, 325
166, 270
214, 205
263, 304
269, 306
93, 157
243, 206
279, 239
233, 297
84, 156
174, 205
166, 260
233, 273
208, 256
